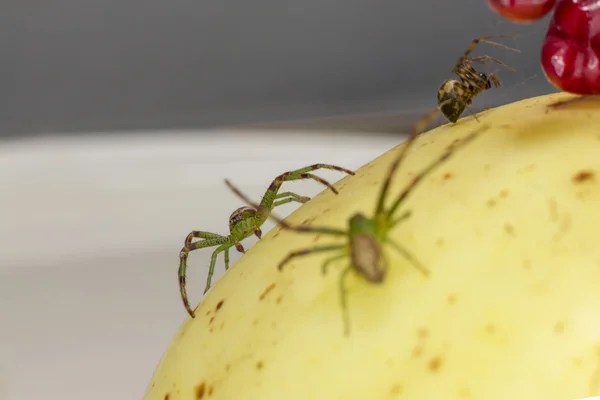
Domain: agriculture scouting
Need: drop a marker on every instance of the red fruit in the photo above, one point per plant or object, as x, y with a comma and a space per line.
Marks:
522, 10
570, 53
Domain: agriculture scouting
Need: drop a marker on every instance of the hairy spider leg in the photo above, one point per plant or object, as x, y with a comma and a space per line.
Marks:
492, 59
464, 58
344, 299
280, 221
312, 250
341, 280
252, 218
494, 79
416, 131
268, 200
288, 197
450, 151
388, 215
326, 263
483, 84
409, 257
226, 263
244, 221
333, 259
209, 240
213, 260
484, 39
342, 287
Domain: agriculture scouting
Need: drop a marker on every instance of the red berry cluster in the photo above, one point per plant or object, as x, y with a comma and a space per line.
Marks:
571, 50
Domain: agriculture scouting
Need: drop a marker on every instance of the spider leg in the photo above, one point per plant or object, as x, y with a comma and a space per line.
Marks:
210, 240
402, 217
315, 167
299, 174
485, 39
330, 260
307, 251
257, 221
288, 197
201, 235
238, 246
285, 225
226, 259
494, 79
288, 176
213, 261
344, 300
472, 113
409, 256
419, 177
417, 129
488, 58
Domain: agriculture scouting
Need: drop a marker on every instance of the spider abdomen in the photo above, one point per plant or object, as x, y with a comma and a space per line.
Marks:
452, 99
367, 257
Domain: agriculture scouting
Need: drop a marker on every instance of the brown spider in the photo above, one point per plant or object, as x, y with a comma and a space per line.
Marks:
456, 94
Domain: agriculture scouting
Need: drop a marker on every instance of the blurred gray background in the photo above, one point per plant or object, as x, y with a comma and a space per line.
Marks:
101, 65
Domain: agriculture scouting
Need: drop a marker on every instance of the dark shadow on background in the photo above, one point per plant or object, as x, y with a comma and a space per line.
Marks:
88, 66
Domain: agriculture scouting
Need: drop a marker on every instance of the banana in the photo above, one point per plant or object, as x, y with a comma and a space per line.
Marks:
510, 230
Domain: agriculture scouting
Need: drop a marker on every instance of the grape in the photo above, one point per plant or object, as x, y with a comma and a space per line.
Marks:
571, 49
522, 10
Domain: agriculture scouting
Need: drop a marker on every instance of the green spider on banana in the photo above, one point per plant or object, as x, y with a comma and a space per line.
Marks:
245, 222
365, 236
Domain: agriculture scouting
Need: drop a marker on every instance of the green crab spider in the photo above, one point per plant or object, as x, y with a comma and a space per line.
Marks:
244, 222
366, 236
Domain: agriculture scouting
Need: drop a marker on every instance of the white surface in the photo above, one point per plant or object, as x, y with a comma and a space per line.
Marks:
90, 231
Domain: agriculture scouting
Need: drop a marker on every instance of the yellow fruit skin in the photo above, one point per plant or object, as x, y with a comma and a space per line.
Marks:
510, 229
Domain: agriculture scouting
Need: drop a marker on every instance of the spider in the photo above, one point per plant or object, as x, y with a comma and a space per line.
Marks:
365, 236
454, 95
244, 222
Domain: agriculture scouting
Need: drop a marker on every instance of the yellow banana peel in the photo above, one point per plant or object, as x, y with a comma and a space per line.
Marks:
509, 228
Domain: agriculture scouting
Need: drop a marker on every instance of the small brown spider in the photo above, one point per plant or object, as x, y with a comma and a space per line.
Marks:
456, 94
